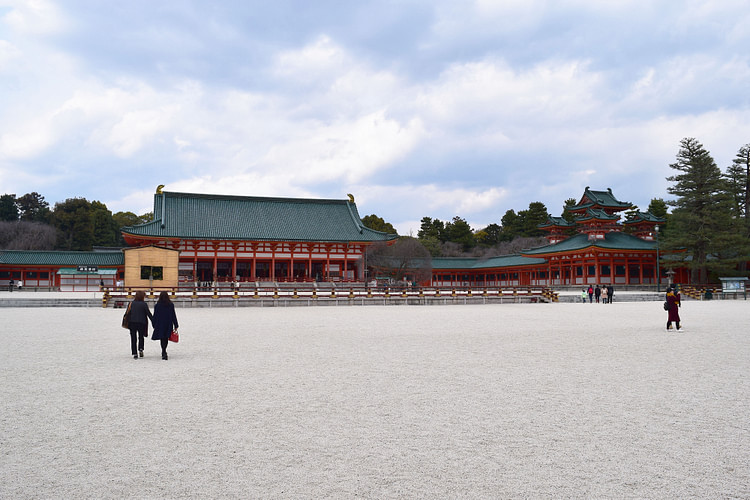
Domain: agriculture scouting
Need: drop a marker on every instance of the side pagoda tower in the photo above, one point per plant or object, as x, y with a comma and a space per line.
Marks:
557, 229
643, 225
597, 213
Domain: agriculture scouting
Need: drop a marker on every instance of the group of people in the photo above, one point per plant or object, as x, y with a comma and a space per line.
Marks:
604, 293
163, 321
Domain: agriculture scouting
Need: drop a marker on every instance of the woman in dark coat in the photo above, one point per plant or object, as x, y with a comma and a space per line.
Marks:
138, 323
673, 304
164, 321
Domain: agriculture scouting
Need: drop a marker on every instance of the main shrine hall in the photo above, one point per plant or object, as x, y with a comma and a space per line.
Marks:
240, 238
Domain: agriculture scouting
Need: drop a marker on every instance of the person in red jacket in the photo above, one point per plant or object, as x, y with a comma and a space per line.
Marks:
673, 305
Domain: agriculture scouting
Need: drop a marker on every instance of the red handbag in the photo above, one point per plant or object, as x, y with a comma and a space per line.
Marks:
174, 337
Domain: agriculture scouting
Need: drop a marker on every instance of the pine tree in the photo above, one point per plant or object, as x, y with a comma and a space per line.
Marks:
33, 208
459, 231
8, 207
531, 218
658, 208
431, 229
566, 213
701, 222
378, 224
738, 176
511, 224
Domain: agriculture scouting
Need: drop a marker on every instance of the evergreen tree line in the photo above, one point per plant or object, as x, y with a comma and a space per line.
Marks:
28, 223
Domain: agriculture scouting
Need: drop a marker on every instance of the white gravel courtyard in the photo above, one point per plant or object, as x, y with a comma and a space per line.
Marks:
490, 401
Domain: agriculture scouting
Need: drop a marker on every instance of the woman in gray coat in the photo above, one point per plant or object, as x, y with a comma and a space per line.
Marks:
138, 323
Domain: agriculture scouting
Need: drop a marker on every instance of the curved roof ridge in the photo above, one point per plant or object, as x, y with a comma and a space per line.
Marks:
596, 213
613, 240
606, 199
556, 222
230, 217
269, 199
644, 217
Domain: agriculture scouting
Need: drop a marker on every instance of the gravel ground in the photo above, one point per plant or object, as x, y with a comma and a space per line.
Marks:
494, 401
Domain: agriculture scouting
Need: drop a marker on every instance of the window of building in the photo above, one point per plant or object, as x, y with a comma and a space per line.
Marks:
152, 273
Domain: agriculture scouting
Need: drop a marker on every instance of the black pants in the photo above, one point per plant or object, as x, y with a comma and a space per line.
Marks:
137, 332
164, 343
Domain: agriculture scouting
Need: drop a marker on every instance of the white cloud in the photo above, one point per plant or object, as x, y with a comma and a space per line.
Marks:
33, 17
484, 17
9, 53
320, 60
338, 115
26, 138
347, 150
428, 200
489, 93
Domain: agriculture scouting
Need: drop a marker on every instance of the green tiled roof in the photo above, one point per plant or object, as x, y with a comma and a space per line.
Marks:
202, 216
596, 214
493, 262
556, 222
55, 258
76, 272
600, 199
612, 241
644, 217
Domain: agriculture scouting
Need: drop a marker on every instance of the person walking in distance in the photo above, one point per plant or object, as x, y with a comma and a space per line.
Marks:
138, 324
604, 295
165, 320
673, 313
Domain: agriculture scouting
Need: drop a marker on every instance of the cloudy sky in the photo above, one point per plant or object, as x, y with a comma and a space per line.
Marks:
418, 108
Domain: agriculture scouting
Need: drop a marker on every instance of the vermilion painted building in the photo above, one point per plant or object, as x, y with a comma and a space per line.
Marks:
228, 238
66, 271
243, 238
599, 252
